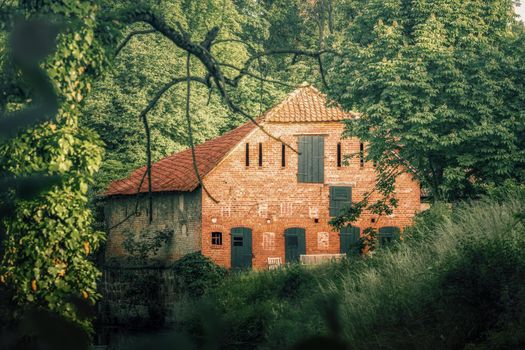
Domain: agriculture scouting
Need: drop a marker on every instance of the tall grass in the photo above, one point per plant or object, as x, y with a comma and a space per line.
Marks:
409, 290
457, 282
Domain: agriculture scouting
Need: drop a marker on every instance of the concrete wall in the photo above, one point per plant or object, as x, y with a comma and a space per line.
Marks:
268, 199
177, 213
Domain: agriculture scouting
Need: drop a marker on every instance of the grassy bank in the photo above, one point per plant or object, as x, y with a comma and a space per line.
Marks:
457, 282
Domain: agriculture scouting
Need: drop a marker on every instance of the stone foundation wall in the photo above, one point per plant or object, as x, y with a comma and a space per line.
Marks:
176, 216
138, 296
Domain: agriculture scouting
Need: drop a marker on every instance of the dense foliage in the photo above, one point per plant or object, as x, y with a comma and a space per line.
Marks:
49, 238
150, 61
457, 282
440, 88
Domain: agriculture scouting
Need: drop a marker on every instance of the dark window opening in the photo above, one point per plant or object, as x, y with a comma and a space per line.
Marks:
216, 238
237, 241
247, 154
339, 155
362, 154
283, 155
260, 154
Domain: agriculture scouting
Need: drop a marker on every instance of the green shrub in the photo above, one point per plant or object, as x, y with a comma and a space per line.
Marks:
197, 273
427, 222
501, 193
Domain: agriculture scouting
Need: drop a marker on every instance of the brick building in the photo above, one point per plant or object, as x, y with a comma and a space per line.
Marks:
272, 201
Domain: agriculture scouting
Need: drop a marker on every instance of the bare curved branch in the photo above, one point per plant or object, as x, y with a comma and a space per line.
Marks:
144, 116
128, 38
182, 40
243, 72
190, 130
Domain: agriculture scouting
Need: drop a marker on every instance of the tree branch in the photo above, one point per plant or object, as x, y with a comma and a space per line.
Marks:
144, 116
128, 38
136, 204
243, 72
190, 130
182, 40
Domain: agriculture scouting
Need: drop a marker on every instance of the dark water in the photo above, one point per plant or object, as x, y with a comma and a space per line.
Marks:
111, 338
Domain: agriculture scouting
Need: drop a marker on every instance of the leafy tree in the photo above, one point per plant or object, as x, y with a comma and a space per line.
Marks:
297, 24
150, 61
48, 238
440, 88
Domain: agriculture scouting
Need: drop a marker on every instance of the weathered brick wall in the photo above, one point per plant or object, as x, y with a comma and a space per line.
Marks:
136, 296
179, 213
268, 199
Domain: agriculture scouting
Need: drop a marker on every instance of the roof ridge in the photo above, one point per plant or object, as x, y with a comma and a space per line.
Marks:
278, 106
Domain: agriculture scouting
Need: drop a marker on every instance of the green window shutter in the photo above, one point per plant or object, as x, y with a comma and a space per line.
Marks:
311, 159
388, 235
318, 159
340, 197
301, 169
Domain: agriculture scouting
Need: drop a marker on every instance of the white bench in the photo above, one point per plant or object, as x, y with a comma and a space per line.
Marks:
274, 263
316, 259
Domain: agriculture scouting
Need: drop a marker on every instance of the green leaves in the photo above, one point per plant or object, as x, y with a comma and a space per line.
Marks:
48, 237
442, 84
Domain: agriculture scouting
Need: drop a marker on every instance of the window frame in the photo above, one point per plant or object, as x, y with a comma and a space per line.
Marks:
216, 240
283, 155
361, 154
392, 233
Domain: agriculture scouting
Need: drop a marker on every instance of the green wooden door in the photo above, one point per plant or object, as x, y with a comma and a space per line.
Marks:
294, 243
241, 248
349, 240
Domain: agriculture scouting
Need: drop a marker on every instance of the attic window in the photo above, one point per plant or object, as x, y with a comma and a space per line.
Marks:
247, 158
260, 154
361, 154
283, 155
339, 154
216, 238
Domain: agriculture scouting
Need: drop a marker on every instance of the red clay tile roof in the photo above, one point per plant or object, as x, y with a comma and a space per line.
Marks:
176, 173
305, 104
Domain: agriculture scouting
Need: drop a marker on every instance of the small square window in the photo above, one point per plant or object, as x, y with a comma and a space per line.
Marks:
216, 238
